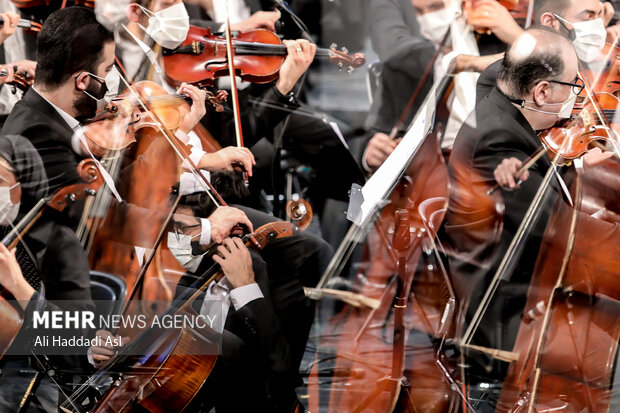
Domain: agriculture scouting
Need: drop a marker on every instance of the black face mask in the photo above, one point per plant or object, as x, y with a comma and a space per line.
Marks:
86, 105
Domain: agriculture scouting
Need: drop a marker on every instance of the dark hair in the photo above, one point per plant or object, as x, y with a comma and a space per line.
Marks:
548, 6
71, 41
545, 62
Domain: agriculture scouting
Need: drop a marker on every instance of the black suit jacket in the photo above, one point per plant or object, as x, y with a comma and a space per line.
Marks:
34, 118
494, 131
253, 348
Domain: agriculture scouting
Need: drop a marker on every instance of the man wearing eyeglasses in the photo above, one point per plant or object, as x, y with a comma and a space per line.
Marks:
537, 85
582, 21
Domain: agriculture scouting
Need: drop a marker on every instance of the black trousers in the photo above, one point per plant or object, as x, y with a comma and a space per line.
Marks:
292, 263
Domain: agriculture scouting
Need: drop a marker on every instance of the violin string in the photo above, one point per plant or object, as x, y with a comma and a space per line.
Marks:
169, 137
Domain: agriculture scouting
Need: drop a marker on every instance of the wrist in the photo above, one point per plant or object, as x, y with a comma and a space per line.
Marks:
22, 292
284, 87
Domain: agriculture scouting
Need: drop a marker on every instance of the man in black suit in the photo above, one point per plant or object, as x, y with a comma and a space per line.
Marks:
536, 86
548, 13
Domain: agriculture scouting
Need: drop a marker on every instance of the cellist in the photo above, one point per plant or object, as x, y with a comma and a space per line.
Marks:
537, 85
293, 262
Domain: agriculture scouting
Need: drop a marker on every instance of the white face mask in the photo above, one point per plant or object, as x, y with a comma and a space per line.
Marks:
566, 109
435, 25
180, 245
111, 12
168, 27
112, 82
8, 210
589, 38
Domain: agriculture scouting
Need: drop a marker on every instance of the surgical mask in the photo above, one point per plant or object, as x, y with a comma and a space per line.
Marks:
435, 25
168, 27
111, 12
108, 88
180, 245
566, 109
8, 210
588, 37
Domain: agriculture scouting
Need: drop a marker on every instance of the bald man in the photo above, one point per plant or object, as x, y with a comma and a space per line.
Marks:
536, 86
590, 16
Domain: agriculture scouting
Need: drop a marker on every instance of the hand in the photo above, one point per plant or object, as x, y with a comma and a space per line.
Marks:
11, 276
469, 63
492, 15
8, 68
107, 349
10, 25
300, 56
379, 148
596, 156
223, 219
25, 68
613, 33
236, 262
608, 12
506, 173
259, 20
226, 158
198, 108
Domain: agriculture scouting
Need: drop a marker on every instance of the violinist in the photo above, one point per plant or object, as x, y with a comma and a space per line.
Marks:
75, 54
407, 35
13, 58
537, 85
294, 262
48, 264
579, 20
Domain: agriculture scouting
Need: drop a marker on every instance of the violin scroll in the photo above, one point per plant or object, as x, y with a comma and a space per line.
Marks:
269, 232
342, 58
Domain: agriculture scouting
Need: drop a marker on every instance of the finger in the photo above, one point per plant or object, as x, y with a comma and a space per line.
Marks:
222, 250
525, 175
249, 152
228, 244
238, 243
105, 351
218, 260
244, 220
511, 180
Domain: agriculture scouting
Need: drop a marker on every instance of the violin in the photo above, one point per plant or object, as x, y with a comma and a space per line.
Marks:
259, 54
520, 10
142, 106
11, 318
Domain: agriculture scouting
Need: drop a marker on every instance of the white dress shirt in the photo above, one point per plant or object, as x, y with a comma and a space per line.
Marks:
222, 294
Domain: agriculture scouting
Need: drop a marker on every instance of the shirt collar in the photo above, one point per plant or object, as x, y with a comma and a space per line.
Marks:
71, 121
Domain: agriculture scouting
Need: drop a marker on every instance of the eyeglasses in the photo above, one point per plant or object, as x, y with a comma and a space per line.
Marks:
577, 87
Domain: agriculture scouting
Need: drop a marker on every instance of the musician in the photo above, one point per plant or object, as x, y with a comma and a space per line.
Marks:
48, 264
12, 57
536, 87
407, 34
308, 135
563, 16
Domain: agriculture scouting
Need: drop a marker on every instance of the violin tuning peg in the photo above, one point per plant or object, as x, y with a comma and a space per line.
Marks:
350, 69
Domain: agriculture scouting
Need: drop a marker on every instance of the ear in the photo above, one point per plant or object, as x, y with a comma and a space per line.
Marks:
133, 13
82, 80
549, 20
541, 93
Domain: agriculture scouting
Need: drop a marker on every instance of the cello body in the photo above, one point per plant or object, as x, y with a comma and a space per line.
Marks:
568, 347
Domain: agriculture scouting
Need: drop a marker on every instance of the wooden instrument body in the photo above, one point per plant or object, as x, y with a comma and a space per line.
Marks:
370, 345
577, 272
